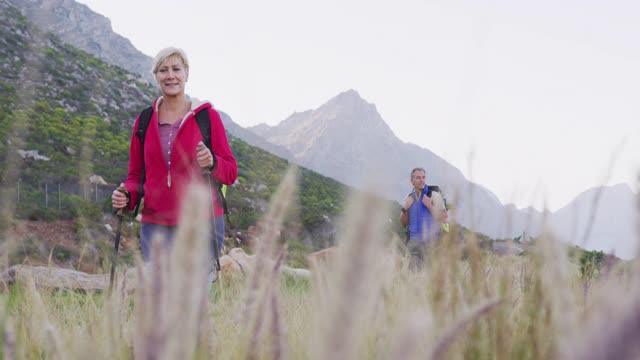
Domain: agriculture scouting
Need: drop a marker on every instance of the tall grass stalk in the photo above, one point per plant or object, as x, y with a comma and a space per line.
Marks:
356, 281
170, 297
9, 339
263, 287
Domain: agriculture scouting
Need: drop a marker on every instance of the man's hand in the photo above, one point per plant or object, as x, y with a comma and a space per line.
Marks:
428, 202
445, 216
205, 158
408, 202
404, 217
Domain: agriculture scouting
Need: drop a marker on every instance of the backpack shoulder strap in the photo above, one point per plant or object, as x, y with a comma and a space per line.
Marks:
204, 123
143, 124
435, 188
143, 121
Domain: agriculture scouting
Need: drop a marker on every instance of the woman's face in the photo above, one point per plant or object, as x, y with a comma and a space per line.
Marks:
172, 76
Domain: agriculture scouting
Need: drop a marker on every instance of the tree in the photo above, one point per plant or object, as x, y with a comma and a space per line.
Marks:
590, 265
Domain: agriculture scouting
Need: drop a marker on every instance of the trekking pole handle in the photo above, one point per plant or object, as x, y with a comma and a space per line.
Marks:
200, 147
120, 212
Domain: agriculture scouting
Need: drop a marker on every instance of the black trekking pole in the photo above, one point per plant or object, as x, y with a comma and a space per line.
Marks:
216, 251
116, 245
206, 172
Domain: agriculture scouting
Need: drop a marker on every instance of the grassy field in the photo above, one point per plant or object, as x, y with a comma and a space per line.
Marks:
365, 303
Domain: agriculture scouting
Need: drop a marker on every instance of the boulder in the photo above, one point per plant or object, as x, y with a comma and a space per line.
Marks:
234, 265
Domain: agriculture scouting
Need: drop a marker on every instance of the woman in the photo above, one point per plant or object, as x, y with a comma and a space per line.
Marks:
174, 154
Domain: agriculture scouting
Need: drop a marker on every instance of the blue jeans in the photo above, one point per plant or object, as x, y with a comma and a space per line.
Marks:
167, 232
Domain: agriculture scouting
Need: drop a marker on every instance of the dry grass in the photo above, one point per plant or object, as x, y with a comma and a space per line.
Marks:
464, 305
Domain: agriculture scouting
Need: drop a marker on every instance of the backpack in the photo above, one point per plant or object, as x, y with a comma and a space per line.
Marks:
430, 189
204, 123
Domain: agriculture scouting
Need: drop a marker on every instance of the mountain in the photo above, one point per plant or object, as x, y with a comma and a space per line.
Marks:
251, 138
347, 139
603, 218
86, 30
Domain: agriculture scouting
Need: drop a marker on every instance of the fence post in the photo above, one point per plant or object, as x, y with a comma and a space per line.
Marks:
96, 191
19, 190
59, 196
46, 196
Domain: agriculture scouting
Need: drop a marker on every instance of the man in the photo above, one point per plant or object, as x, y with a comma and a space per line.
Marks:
422, 215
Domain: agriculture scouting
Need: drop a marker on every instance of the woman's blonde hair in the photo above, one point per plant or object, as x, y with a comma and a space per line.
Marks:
166, 53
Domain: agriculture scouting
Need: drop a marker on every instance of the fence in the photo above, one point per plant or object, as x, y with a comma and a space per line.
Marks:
51, 195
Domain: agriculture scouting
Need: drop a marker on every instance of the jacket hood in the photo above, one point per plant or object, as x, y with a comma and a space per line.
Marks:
196, 105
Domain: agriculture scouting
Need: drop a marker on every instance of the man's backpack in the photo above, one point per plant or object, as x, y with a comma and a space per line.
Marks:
430, 189
204, 123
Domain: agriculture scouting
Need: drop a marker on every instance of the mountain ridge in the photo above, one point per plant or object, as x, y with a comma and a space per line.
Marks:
78, 25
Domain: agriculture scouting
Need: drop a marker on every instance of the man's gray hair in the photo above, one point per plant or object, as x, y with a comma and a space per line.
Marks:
415, 170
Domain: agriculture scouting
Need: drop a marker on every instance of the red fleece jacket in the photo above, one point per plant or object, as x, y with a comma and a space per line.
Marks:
164, 187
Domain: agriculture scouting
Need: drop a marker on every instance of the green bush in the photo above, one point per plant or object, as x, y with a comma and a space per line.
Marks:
86, 209
297, 256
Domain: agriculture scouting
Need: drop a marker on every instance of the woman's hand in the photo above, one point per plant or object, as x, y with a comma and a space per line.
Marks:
118, 198
205, 158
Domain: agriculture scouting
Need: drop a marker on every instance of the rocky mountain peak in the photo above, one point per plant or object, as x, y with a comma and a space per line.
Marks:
350, 104
346, 121
79, 26
348, 98
348, 113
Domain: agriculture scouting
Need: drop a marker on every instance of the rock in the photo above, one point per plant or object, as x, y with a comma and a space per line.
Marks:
234, 265
33, 154
58, 278
97, 179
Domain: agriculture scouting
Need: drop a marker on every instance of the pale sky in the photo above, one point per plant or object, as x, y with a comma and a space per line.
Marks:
536, 95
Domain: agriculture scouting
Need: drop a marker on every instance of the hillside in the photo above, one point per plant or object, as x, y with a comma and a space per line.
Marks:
64, 115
